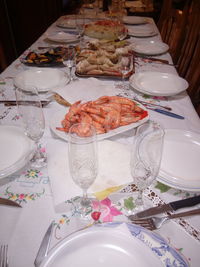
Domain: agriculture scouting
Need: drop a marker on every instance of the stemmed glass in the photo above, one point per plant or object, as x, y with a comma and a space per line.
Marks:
69, 60
146, 157
83, 163
30, 110
125, 67
122, 34
80, 25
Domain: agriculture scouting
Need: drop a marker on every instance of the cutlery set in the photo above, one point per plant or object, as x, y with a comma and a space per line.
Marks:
165, 110
142, 218
58, 98
154, 223
150, 59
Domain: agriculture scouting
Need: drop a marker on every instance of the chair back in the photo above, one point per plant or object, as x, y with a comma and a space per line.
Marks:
172, 24
189, 55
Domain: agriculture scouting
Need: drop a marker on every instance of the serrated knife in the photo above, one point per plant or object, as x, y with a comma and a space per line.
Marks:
172, 206
8, 202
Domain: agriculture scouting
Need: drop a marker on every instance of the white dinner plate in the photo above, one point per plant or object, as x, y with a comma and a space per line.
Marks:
134, 20
68, 22
180, 166
16, 149
151, 48
43, 79
141, 31
114, 245
158, 83
59, 116
63, 37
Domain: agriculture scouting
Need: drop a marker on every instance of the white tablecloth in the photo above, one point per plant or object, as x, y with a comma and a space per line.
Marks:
23, 229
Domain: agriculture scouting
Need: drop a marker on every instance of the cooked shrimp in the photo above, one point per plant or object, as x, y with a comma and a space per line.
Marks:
129, 118
112, 120
122, 100
98, 126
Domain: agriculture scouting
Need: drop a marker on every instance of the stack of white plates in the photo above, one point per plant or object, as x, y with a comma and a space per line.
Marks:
180, 162
16, 149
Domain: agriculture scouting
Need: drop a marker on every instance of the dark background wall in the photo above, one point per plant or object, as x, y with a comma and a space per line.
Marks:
21, 23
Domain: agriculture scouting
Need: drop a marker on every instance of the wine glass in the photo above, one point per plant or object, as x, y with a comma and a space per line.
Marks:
83, 162
69, 60
80, 25
146, 157
122, 33
30, 110
125, 66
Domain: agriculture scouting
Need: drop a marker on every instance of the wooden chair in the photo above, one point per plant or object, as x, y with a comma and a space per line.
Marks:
189, 55
172, 24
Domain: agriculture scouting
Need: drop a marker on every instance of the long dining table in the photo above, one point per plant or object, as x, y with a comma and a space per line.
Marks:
45, 193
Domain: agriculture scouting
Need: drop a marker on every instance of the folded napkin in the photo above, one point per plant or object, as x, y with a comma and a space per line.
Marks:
85, 90
113, 171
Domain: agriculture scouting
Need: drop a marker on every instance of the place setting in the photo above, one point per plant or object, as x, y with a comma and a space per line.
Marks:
143, 166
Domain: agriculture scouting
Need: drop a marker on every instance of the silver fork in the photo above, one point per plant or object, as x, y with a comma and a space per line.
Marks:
4, 256
156, 222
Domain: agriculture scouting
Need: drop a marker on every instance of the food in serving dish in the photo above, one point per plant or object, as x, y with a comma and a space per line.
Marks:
106, 113
102, 58
104, 29
51, 57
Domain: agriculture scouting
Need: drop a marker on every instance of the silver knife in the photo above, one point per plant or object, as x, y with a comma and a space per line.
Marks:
172, 206
8, 202
14, 102
44, 247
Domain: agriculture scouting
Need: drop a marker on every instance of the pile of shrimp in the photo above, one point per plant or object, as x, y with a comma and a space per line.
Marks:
105, 114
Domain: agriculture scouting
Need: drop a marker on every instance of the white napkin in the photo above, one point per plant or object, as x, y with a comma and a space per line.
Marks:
114, 169
85, 90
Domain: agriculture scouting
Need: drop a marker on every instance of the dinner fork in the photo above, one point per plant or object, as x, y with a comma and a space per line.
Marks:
156, 222
4, 256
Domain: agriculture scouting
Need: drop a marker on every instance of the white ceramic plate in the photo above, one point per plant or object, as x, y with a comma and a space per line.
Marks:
68, 22
151, 48
16, 149
158, 83
58, 117
180, 166
114, 245
43, 79
62, 37
141, 31
134, 20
